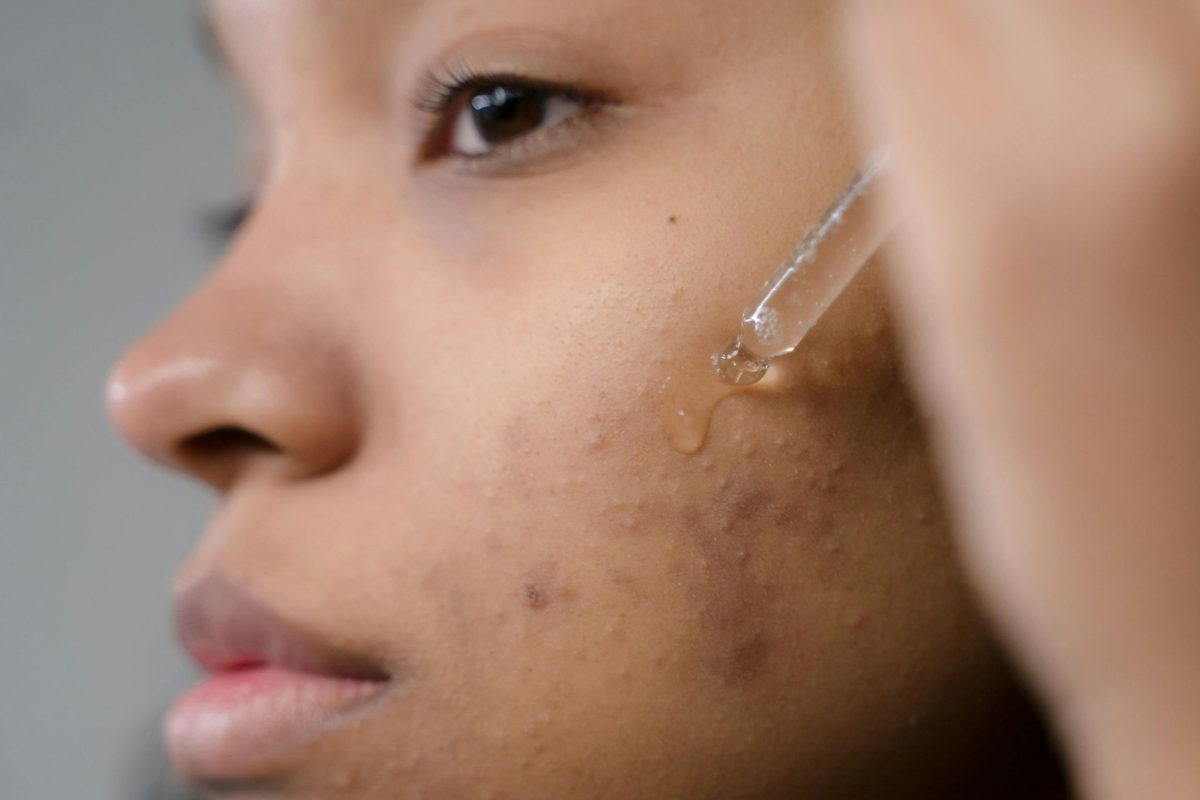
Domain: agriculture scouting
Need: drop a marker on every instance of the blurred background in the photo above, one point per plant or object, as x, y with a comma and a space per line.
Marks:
117, 137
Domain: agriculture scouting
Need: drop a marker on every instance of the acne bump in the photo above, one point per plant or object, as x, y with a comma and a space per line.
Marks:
537, 597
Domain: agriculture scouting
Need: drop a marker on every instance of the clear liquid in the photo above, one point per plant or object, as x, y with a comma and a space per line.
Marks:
687, 408
691, 396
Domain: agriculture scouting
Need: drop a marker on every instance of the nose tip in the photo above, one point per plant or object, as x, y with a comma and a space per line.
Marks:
219, 406
157, 406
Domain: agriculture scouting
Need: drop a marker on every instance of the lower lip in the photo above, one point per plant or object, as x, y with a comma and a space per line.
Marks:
236, 723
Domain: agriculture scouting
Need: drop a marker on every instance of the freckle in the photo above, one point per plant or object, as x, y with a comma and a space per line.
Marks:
672, 219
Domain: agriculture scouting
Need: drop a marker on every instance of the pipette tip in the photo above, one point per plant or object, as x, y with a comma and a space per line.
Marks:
737, 366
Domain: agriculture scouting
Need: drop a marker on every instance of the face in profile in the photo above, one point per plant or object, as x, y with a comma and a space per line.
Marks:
453, 554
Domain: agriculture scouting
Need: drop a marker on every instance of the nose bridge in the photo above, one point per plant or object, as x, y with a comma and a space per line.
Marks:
254, 368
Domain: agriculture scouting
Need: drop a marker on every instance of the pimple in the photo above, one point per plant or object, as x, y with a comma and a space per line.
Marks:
854, 617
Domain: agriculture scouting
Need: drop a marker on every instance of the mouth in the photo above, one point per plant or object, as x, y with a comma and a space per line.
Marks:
269, 686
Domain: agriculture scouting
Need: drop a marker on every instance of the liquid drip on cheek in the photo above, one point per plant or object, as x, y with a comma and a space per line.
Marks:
691, 395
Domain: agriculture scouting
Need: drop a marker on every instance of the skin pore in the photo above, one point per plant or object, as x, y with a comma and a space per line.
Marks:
425, 386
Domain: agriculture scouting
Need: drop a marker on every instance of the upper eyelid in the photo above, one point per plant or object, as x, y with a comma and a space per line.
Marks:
435, 91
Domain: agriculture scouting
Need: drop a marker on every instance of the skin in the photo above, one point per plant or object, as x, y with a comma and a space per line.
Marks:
426, 396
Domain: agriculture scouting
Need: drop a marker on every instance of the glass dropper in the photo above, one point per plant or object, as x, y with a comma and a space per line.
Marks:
810, 279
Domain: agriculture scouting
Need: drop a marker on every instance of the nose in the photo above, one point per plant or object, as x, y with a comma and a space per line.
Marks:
248, 377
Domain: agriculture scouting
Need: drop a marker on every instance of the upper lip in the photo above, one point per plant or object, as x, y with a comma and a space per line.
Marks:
224, 627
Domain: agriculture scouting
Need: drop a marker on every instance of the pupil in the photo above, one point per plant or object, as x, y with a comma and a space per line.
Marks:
506, 112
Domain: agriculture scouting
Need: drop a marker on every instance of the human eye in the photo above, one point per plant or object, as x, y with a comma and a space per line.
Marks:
502, 121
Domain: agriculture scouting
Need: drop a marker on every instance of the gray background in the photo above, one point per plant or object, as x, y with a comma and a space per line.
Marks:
114, 135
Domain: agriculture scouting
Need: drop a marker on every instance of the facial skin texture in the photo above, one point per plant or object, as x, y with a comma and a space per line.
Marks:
454, 465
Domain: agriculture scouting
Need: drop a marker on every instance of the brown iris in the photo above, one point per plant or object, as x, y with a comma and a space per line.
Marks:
505, 112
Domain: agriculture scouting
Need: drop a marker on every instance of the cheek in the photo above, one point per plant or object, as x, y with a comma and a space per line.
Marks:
556, 552
592, 513
562, 569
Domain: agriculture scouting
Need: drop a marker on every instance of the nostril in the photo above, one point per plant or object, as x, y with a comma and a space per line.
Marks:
226, 441
217, 453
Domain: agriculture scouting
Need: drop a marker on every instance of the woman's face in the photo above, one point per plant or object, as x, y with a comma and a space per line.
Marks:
425, 383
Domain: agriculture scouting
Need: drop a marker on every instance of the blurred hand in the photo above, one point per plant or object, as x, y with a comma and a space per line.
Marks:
1047, 158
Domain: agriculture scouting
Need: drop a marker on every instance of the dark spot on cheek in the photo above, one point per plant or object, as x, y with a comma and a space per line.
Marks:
537, 596
730, 535
672, 219
740, 510
748, 659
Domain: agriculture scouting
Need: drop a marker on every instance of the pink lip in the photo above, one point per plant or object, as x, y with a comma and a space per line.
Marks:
234, 723
270, 685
